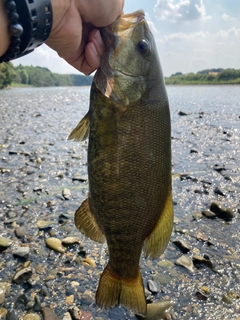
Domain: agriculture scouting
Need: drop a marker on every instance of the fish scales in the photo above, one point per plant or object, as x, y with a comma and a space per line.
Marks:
129, 162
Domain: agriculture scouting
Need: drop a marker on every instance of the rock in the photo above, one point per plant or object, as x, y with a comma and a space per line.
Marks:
152, 286
89, 262
222, 212
12, 315
21, 232
219, 168
193, 151
201, 296
219, 191
2, 296
162, 279
209, 214
182, 245
3, 313
227, 299
75, 312
79, 177
44, 224
201, 236
66, 193
22, 252
156, 310
185, 262
4, 243
181, 113
55, 244
68, 241
67, 316
48, 314
69, 299
22, 275
197, 215
31, 316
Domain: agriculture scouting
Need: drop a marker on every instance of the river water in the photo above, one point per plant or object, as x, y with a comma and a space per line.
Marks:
37, 163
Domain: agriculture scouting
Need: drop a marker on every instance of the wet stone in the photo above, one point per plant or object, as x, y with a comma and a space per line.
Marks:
227, 299
79, 177
12, 315
3, 313
182, 245
44, 224
75, 313
197, 215
152, 286
55, 244
22, 275
31, 316
185, 262
22, 252
209, 214
21, 232
157, 310
2, 296
222, 212
66, 193
68, 241
218, 191
4, 243
48, 314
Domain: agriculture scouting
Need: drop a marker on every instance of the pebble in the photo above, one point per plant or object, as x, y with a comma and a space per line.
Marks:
48, 314
22, 252
31, 316
68, 241
12, 315
209, 214
222, 212
75, 313
2, 296
185, 262
79, 177
5, 243
67, 316
3, 313
22, 275
44, 224
182, 245
55, 244
21, 232
197, 215
152, 286
89, 262
227, 299
66, 193
156, 310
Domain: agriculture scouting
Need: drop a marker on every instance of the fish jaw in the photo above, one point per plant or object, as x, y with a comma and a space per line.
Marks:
123, 71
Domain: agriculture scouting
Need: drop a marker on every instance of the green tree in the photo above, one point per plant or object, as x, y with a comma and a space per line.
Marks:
6, 74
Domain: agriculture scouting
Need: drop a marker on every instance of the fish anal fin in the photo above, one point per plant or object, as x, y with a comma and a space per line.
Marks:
157, 241
81, 131
85, 222
113, 291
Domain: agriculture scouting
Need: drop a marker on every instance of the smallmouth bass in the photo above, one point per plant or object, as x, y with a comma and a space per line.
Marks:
129, 161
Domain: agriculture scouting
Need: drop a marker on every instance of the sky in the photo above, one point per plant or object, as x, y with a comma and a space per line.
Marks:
191, 35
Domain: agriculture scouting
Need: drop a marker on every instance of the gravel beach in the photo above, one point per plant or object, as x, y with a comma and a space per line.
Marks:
48, 270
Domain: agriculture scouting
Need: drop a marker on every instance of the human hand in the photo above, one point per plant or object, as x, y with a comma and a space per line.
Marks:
74, 34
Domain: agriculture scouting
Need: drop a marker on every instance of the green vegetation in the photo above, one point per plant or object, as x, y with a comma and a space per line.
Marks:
209, 76
38, 77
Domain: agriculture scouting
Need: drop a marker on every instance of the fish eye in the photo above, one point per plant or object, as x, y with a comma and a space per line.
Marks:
143, 46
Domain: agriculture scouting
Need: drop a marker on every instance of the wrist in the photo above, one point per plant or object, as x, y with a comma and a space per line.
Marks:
5, 35
59, 8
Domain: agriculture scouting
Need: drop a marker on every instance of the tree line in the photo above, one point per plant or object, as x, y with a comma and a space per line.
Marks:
38, 77
208, 76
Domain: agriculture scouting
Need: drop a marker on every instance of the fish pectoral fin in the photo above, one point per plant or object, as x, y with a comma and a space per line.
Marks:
85, 222
114, 290
157, 241
81, 131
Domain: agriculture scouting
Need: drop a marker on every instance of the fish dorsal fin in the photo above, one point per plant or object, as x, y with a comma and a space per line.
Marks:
85, 222
157, 241
81, 131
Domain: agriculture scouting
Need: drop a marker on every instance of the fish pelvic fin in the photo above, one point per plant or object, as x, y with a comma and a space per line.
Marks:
81, 131
85, 222
157, 241
129, 293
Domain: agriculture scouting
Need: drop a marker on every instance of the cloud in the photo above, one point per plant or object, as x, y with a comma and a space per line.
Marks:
180, 10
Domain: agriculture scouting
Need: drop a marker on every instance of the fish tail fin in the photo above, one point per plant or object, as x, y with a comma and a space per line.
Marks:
114, 290
81, 131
